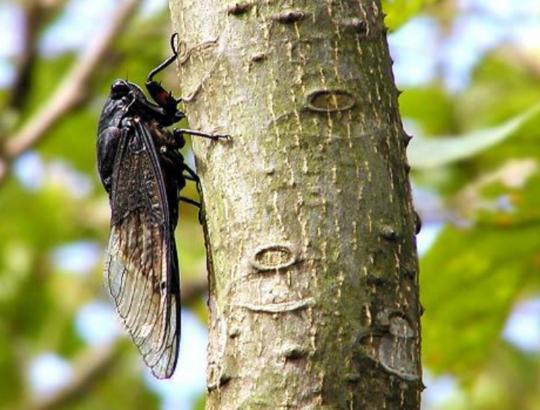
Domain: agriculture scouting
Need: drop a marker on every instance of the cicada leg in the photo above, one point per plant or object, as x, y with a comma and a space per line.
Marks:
180, 131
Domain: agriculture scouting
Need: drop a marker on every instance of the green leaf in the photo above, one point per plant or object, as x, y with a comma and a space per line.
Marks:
399, 11
469, 281
200, 404
427, 153
432, 108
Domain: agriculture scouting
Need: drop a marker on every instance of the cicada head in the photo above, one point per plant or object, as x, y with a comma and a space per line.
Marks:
119, 89
126, 91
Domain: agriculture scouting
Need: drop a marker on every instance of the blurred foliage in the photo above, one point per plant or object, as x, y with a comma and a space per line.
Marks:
486, 258
64, 203
428, 153
399, 11
468, 291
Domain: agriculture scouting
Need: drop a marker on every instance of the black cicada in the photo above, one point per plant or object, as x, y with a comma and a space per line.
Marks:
143, 173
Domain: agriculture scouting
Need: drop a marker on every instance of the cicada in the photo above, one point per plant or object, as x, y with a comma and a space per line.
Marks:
143, 172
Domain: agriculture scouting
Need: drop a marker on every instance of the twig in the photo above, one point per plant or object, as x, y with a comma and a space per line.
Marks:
89, 368
93, 364
70, 93
33, 18
36, 14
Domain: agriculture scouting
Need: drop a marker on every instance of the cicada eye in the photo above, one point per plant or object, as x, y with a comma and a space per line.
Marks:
178, 116
119, 89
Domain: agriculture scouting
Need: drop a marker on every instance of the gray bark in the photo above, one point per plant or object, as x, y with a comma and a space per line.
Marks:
309, 223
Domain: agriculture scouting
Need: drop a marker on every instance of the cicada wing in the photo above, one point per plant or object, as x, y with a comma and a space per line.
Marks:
141, 267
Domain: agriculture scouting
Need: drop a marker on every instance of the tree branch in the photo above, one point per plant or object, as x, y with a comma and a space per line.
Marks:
90, 366
70, 93
33, 13
36, 14
95, 362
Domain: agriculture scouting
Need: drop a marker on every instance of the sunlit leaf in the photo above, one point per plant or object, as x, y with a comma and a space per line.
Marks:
399, 11
430, 108
425, 153
469, 281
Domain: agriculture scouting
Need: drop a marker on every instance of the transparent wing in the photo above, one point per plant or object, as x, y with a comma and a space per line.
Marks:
141, 268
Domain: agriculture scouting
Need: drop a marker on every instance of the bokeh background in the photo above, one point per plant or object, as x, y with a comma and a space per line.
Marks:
470, 72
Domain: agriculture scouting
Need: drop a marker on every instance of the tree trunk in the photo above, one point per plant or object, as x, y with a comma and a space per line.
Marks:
309, 223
